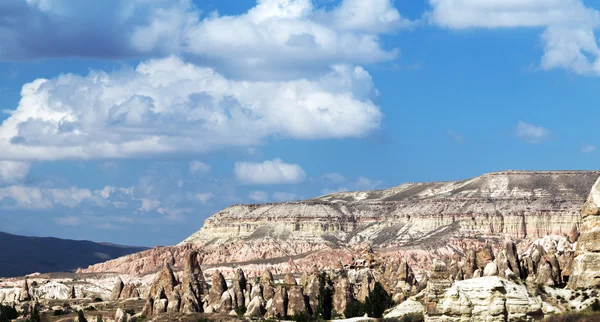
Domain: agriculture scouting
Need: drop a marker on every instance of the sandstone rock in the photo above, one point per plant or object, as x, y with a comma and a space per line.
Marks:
296, 302
405, 308
129, 291
193, 284
239, 286
116, 291
219, 286
470, 265
367, 284
312, 291
25, 295
289, 279
544, 275
268, 284
487, 299
160, 306
72, 294
174, 302
226, 303
148, 308
513, 258
484, 256
342, 295
278, 307
164, 282
256, 308
121, 316
587, 263
257, 292
490, 269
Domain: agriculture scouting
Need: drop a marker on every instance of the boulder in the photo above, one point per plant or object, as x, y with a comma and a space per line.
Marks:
116, 291
513, 258
160, 306
121, 316
255, 309
406, 308
174, 302
226, 303
129, 291
486, 299
490, 269
24, 294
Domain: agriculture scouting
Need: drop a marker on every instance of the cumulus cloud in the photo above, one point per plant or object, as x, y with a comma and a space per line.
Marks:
531, 134
268, 172
199, 167
148, 204
13, 171
275, 37
168, 106
569, 25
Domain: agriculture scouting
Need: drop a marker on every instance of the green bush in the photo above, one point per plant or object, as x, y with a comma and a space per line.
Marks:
354, 309
81, 316
240, 311
595, 305
8, 313
98, 299
325, 298
59, 312
377, 301
99, 318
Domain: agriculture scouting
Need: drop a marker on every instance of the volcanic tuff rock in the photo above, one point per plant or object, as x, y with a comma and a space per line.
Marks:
586, 266
418, 221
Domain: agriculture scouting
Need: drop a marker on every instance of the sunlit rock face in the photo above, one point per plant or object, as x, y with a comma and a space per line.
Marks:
417, 221
586, 266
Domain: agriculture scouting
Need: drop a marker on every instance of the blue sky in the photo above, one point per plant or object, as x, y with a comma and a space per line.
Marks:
133, 121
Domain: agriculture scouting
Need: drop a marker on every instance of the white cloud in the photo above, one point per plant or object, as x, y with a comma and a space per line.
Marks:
588, 148
149, 204
275, 37
204, 197
67, 221
199, 167
334, 177
13, 171
268, 172
25, 197
531, 133
168, 106
259, 196
569, 40
284, 196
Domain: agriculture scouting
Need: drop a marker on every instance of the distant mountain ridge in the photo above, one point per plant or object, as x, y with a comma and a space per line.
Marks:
22, 255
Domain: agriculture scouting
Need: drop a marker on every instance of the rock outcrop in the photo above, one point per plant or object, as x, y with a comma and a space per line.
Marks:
586, 266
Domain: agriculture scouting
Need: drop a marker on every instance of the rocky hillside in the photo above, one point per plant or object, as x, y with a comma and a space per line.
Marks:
24, 255
416, 220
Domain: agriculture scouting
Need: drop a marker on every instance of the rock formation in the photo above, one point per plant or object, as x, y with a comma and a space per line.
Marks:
413, 220
586, 266
117, 289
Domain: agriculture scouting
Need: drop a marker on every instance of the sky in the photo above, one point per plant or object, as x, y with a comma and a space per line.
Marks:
132, 121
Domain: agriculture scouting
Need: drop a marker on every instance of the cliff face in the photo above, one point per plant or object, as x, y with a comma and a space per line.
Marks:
418, 221
586, 266
519, 204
